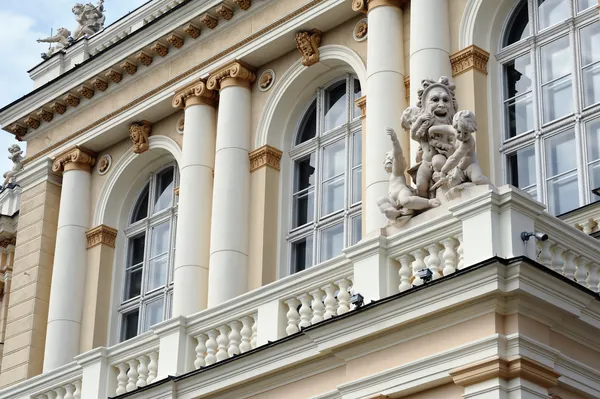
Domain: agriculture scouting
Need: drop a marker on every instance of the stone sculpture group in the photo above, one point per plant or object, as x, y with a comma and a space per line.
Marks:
90, 19
446, 162
16, 156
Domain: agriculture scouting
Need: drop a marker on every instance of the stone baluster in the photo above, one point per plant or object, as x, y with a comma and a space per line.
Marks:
569, 268
253, 341
305, 311
246, 334
418, 264
449, 255
434, 261
405, 272
60, 393
69, 390
557, 258
122, 378
317, 306
142, 371
152, 367
234, 338
223, 343
581, 272
593, 280
588, 226
200, 351
343, 296
132, 375
460, 252
77, 393
293, 317
211, 347
330, 301
545, 256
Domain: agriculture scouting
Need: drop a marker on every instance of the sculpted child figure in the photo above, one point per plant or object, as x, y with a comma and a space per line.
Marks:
402, 199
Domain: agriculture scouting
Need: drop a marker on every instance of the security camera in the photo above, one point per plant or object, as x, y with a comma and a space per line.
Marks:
425, 275
357, 300
538, 236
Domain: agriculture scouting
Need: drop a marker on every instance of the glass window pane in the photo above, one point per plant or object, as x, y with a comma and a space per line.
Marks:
129, 325
357, 95
594, 171
521, 167
519, 115
334, 160
563, 194
332, 242
304, 173
560, 154
304, 208
590, 43
335, 105
591, 84
518, 76
518, 27
593, 140
356, 185
357, 149
551, 12
333, 196
302, 251
555, 59
133, 283
140, 211
136, 248
163, 196
308, 126
160, 239
157, 272
153, 313
585, 4
356, 229
557, 99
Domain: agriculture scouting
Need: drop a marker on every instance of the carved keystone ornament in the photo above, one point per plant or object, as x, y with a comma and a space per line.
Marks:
139, 133
308, 43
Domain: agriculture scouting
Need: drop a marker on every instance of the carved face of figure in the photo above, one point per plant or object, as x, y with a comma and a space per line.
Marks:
389, 161
77, 9
439, 104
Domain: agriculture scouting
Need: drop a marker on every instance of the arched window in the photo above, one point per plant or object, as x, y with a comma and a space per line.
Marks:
551, 92
327, 176
147, 288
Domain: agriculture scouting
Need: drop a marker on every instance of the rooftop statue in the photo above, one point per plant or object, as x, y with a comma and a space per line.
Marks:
62, 40
90, 19
16, 156
446, 162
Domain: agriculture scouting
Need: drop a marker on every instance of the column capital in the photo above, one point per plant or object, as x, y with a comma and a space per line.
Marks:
362, 104
365, 6
101, 235
471, 57
265, 156
234, 74
75, 158
194, 94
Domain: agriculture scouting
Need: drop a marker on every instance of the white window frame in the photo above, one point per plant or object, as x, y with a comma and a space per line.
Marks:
316, 146
145, 226
577, 120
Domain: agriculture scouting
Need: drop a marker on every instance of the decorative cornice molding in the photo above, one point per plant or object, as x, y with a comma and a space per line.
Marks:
362, 104
497, 367
365, 6
101, 235
265, 156
233, 74
469, 58
195, 93
308, 43
75, 158
139, 132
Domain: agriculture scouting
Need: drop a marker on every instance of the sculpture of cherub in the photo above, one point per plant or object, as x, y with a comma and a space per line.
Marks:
61, 40
437, 106
402, 200
90, 19
16, 156
461, 169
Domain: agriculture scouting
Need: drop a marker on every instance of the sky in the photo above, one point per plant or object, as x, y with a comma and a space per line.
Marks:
21, 23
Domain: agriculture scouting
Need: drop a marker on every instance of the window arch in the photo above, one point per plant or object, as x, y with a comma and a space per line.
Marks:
327, 176
148, 270
551, 93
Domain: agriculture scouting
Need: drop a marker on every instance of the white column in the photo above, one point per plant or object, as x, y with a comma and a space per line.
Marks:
65, 309
195, 199
230, 212
385, 97
429, 48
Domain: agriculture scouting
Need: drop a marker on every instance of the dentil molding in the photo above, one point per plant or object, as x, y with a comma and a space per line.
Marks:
75, 158
469, 58
101, 235
265, 156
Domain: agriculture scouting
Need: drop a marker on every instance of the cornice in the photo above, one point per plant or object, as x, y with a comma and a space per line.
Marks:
75, 158
265, 156
472, 57
193, 94
234, 74
101, 235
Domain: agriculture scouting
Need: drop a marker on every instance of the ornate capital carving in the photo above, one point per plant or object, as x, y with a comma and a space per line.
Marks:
365, 6
101, 235
362, 104
195, 93
469, 58
308, 43
265, 156
139, 133
234, 74
75, 158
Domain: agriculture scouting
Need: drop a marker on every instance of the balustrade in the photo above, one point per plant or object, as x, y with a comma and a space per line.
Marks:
71, 390
136, 372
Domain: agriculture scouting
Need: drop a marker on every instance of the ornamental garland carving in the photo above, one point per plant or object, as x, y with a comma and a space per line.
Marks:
101, 235
308, 43
236, 70
79, 157
265, 156
469, 58
139, 133
194, 94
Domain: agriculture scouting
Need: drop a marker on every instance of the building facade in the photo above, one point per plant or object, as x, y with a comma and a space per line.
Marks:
199, 213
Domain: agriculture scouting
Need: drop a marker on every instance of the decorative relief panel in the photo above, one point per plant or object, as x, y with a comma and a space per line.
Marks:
101, 235
308, 43
104, 164
361, 30
266, 80
139, 133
